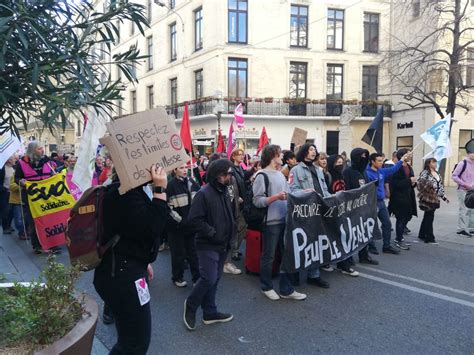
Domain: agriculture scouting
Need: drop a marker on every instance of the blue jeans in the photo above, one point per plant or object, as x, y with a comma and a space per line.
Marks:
384, 218
273, 238
18, 219
211, 266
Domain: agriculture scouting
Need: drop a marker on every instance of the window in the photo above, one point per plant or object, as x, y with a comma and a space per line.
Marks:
416, 8
465, 135
335, 29
133, 70
237, 19
174, 91
173, 54
78, 128
405, 142
151, 96
370, 78
103, 80
198, 81
118, 31
198, 29
298, 77
237, 76
470, 67
102, 50
120, 108
470, 76
119, 73
133, 101
149, 46
299, 26
334, 80
174, 96
371, 32
149, 10
298, 80
332, 142
470, 53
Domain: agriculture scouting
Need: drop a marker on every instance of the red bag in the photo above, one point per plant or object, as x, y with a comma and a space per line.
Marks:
253, 252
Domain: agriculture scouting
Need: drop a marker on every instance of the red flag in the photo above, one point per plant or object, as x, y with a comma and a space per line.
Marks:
263, 140
185, 132
220, 143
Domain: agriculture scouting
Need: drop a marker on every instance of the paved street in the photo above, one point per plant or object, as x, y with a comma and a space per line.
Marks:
421, 301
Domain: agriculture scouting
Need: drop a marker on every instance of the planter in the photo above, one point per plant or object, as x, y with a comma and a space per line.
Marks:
268, 100
79, 339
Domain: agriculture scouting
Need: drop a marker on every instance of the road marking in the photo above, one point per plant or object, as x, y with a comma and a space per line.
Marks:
455, 290
419, 290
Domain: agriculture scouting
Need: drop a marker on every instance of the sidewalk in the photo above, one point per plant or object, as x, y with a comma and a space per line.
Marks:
445, 222
17, 265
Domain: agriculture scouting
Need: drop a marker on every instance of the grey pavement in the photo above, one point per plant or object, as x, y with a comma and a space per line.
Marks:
418, 302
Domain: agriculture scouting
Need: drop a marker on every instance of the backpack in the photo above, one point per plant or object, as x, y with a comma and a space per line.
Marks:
255, 216
464, 162
85, 230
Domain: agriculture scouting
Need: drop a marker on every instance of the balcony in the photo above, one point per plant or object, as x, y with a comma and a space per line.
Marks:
282, 107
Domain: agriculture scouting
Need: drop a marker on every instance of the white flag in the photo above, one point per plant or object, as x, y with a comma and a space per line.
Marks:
437, 137
84, 169
9, 144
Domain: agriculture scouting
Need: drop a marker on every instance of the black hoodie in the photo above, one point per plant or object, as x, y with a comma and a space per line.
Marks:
337, 180
354, 176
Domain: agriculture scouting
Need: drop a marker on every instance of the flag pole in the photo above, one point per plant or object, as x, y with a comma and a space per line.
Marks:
416, 146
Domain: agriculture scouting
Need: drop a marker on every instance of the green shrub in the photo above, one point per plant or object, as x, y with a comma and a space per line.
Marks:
39, 314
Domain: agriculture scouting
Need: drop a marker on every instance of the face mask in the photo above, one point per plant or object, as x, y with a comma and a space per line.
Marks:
338, 168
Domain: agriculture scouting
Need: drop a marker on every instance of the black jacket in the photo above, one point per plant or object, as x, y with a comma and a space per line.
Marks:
402, 195
239, 175
180, 193
354, 175
211, 218
138, 220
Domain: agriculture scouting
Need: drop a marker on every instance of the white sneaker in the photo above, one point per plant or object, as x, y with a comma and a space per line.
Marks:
295, 296
271, 294
180, 283
230, 268
327, 268
350, 272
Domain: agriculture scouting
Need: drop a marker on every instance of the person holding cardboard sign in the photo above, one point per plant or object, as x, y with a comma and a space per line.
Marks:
122, 277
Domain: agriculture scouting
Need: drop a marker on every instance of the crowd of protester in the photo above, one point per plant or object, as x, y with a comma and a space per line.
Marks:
196, 211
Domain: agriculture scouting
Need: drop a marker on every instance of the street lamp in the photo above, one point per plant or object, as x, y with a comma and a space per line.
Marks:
218, 108
162, 4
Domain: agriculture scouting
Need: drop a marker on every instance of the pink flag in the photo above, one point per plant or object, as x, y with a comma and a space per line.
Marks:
231, 139
239, 115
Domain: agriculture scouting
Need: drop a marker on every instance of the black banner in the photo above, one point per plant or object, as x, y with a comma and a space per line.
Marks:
322, 230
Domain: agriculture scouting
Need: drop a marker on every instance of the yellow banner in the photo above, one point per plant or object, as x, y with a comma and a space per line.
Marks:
49, 196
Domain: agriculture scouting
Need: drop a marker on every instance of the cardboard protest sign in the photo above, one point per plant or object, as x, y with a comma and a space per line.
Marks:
50, 201
138, 141
324, 230
299, 136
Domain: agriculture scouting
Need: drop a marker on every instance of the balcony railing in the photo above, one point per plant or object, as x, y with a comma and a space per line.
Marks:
282, 107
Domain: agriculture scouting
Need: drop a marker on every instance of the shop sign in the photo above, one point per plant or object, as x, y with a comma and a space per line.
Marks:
204, 143
405, 125
244, 133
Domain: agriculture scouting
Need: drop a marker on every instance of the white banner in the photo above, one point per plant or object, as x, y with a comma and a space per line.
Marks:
84, 169
9, 144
